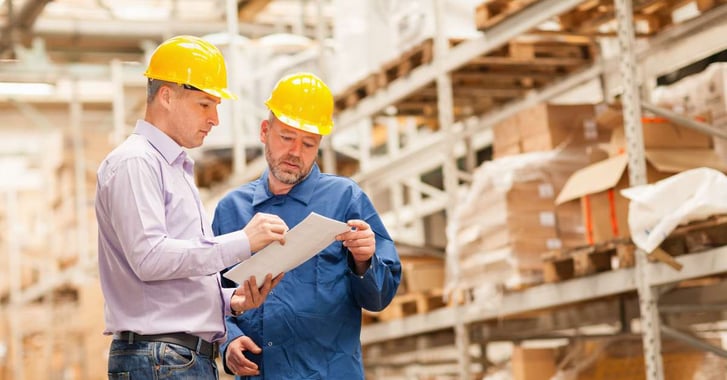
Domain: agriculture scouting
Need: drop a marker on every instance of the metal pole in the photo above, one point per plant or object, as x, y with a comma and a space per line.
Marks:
239, 160
445, 112
637, 176
79, 160
117, 104
685, 121
693, 341
15, 268
328, 151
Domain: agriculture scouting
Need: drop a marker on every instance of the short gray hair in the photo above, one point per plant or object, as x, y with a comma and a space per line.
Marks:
153, 86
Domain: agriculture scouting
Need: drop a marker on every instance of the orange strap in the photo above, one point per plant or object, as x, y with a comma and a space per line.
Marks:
612, 212
588, 222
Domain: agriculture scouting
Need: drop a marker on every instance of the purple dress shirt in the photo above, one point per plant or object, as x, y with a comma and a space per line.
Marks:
158, 259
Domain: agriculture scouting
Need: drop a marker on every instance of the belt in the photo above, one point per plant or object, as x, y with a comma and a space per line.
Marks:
190, 341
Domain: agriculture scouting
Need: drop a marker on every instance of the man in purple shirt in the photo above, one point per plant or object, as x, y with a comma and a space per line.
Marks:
158, 258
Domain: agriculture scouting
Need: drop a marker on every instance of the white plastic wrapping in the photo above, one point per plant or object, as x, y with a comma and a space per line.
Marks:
657, 209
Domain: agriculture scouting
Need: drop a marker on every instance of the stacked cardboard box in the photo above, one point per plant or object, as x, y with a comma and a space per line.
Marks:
508, 218
700, 95
545, 127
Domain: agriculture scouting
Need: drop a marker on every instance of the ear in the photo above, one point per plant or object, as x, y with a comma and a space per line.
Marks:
165, 95
264, 130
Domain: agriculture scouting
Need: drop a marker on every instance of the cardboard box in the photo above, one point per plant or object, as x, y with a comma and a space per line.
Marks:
604, 209
421, 274
660, 133
547, 126
533, 363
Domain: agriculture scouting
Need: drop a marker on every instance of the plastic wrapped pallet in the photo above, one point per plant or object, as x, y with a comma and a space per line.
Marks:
507, 219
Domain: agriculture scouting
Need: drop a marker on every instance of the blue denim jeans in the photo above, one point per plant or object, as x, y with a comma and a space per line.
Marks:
158, 360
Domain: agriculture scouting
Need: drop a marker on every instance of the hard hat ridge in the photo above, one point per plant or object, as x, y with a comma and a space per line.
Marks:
303, 101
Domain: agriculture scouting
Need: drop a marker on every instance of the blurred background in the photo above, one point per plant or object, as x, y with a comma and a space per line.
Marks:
431, 97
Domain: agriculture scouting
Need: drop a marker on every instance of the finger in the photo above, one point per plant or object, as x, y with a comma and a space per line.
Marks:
278, 227
267, 286
252, 347
359, 243
252, 290
248, 364
358, 224
277, 279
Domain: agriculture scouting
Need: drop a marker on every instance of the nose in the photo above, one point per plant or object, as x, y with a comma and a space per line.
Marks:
295, 148
214, 118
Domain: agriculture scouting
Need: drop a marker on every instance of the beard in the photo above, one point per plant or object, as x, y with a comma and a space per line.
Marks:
288, 177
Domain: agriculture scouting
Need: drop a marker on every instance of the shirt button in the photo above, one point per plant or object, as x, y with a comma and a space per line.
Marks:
270, 344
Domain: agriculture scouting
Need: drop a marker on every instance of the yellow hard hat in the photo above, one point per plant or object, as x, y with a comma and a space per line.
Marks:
303, 101
192, 61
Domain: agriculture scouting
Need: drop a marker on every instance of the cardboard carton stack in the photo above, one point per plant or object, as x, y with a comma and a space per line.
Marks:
700, 95
545, 127
508, 218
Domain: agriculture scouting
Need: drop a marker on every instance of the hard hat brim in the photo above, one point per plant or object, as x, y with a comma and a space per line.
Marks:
220, 93
303, 126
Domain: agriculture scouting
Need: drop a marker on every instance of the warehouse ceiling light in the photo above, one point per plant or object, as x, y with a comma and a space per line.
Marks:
24, 88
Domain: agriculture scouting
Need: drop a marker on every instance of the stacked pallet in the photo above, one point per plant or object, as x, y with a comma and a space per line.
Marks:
596, 17
650, 16
420, 290
489, 81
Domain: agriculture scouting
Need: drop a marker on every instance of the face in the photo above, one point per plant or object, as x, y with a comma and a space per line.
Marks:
290, 152
192, 115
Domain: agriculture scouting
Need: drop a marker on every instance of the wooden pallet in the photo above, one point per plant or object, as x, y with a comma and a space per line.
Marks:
693, 237
418, 55
503, 75
358, 91
407, 304
591, 15
582, 261
697, 236
492, 12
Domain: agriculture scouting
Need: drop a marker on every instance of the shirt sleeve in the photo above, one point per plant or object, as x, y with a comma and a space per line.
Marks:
375, 289
136, 209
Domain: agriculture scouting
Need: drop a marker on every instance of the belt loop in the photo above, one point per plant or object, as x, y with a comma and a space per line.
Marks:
199, 344
131, 337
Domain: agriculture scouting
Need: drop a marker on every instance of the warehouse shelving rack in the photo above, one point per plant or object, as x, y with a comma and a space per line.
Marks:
452, 141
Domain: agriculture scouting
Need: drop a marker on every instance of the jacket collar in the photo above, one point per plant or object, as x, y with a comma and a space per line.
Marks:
302, 192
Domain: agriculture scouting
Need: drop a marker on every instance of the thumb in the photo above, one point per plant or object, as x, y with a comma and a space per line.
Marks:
255, 349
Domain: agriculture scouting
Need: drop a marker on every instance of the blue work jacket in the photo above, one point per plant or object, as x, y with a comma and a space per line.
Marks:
309, 326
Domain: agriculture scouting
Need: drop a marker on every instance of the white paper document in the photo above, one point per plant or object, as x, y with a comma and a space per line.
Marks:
302, 242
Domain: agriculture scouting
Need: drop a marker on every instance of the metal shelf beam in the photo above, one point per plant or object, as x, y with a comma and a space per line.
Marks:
546, 296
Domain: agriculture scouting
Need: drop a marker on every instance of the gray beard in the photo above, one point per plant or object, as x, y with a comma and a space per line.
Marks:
283, 176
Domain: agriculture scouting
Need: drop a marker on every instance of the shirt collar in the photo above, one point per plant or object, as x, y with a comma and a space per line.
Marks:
303, 191
168, 148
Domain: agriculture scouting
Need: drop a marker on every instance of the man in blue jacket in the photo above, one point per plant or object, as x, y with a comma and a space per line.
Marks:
309, 327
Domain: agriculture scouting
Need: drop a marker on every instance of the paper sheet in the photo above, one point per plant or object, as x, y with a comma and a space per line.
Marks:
302, 242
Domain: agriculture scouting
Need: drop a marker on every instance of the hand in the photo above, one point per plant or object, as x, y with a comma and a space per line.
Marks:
361, 242
236, 360
249, 296
264, 229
